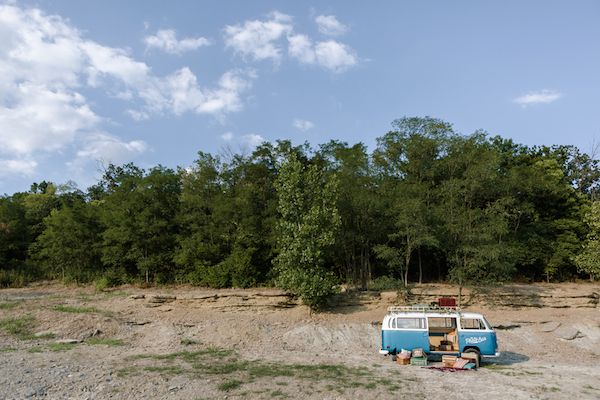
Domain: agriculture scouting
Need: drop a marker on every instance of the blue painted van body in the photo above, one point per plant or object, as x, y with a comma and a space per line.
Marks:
485, 342
396, 340
482, 338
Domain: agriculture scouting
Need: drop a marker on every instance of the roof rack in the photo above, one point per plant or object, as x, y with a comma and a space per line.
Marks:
423, 308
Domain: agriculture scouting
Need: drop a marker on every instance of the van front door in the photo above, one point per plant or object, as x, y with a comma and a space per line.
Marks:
474, 333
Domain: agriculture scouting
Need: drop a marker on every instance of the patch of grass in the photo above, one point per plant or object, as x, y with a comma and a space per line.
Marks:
224, 362
21, 327
127, 371
105, 341
165, 369
260, 370
7, 349
61, 346
35, 349
188, 342
229, 385
75, 310
278, 393
9, 305
222, 368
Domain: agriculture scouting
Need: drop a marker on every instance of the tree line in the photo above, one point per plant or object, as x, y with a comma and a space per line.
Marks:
427, 204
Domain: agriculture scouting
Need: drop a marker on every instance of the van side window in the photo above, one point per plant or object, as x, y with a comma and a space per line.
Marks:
472, 323
410, 323
441, 322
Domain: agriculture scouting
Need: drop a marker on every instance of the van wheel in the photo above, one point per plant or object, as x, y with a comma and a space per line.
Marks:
394, 357
475, 351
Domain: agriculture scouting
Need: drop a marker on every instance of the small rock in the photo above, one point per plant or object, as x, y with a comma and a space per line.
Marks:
567, 333
173, 388
137, 296
549, 326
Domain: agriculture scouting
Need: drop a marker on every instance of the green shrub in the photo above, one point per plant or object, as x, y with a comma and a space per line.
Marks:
384, 283
112, 277
18, 275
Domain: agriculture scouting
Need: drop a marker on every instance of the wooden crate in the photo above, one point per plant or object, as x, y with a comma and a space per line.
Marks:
402, 361
418, 353
449, 361
419, 361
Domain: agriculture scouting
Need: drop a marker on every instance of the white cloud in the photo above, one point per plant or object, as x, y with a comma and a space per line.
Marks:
329, 25
227, 136
17, 167
302, 125
262, 40
330, 54
108, 148
257, 39
45, 64
37, 118
101, 149
252, 139
179, 93
538, 97
166, 40
301, 48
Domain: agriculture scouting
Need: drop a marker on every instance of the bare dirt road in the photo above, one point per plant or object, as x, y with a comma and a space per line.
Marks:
61, 342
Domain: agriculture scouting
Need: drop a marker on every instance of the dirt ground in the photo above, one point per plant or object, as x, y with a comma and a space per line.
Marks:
61, 342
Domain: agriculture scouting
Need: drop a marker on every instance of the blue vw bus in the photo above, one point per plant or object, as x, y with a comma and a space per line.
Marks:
437, 330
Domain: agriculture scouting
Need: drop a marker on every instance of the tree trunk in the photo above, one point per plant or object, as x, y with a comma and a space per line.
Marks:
420, 266
146, 276
407, 263
460, 287
363, 272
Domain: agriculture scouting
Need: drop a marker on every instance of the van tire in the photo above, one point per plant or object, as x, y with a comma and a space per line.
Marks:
472, 350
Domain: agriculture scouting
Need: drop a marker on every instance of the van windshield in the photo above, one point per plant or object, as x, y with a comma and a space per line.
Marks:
472, 323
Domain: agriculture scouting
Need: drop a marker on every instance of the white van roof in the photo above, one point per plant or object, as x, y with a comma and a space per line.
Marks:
420, 311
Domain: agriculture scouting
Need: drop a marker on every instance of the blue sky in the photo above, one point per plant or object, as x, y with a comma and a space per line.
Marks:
84, 83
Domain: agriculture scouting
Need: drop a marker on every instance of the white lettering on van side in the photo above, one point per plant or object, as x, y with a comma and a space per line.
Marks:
475, 340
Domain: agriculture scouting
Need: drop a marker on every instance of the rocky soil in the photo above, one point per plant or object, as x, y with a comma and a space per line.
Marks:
61, 342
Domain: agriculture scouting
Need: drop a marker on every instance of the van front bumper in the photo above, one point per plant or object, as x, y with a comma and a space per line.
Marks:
384, 352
